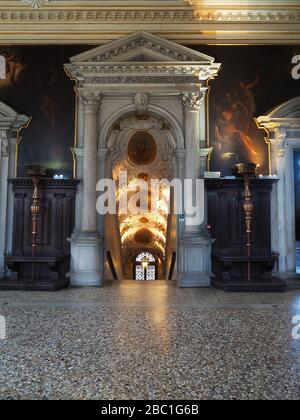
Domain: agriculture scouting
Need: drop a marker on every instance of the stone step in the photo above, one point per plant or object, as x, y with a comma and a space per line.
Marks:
293, 284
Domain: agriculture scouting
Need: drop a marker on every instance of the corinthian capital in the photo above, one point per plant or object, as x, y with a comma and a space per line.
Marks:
90, 101
192, 101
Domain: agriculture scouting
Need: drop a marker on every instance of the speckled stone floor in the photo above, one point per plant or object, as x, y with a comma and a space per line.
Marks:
149, 341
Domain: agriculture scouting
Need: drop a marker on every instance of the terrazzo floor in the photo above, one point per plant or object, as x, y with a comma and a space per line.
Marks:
149, 341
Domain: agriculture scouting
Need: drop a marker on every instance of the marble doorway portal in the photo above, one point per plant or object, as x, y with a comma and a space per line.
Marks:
139, 84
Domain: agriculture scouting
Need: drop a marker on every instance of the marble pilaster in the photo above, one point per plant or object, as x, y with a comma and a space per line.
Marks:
86, 244
195, 243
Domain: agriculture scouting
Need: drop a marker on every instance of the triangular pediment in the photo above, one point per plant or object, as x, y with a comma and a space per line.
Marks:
9, 119
139, 47
290, 109
6, 111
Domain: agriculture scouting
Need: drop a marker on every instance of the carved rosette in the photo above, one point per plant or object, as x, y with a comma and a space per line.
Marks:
90, 102
36, 3
135, 123
192, 101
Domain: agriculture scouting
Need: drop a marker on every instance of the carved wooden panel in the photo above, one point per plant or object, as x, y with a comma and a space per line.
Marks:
226, 216
233, 270
56, 218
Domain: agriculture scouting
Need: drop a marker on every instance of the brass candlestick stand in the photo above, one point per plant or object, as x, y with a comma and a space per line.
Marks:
36, 173
247, 171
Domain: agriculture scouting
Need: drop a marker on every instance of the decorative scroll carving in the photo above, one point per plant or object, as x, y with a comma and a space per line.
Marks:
133, 122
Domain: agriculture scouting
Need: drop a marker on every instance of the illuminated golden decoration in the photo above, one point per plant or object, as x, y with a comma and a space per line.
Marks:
145, 263
148, 230
144, 237
144, 220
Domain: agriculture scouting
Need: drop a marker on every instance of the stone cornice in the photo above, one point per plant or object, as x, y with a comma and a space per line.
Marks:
112, 14
285, 116
188, 22
149, 69
280, 123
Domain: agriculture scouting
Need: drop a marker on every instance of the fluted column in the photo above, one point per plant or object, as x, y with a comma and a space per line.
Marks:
191, 104
102, 158
282, 238
86, 243
180, 158
3, 195
90, 102
194, 263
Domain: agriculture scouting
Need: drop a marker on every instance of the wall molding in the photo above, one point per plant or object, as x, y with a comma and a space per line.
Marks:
183, 21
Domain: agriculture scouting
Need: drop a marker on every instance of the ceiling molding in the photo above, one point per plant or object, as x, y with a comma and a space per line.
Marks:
183, 21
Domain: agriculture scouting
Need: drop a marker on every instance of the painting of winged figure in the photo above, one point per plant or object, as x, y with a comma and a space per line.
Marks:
234, 128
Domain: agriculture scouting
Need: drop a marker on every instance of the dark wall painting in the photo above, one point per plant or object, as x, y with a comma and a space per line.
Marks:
252, 81
36, 85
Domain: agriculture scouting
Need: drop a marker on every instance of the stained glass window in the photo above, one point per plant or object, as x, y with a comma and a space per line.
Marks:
150, 273
145, 271
139, 272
